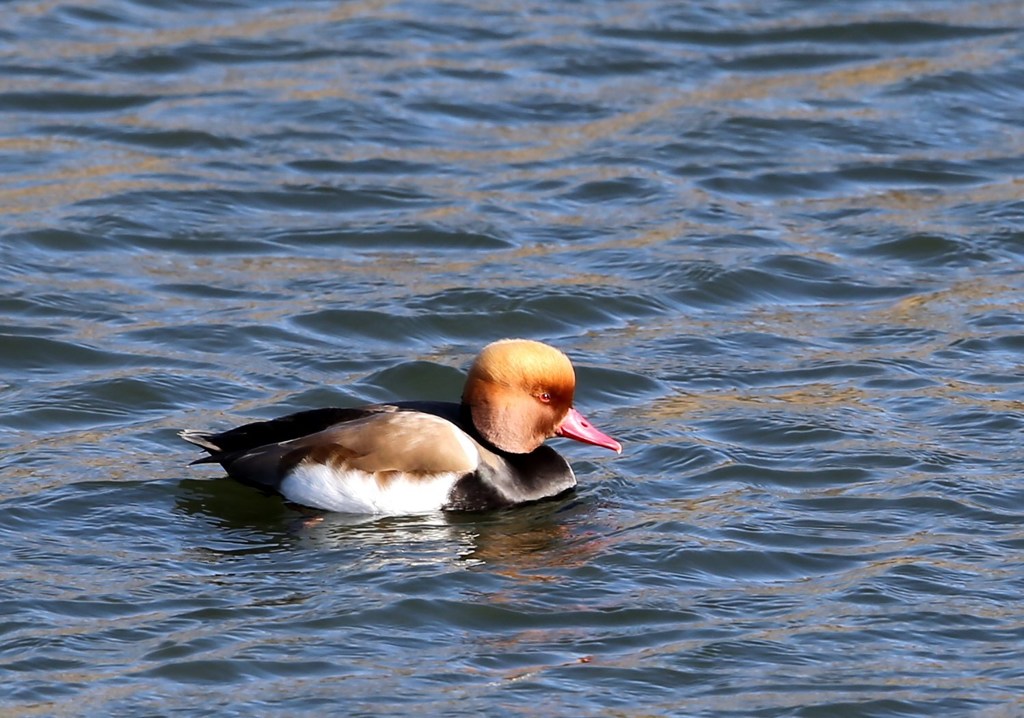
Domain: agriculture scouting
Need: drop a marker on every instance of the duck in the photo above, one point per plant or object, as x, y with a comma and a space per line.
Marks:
483, 453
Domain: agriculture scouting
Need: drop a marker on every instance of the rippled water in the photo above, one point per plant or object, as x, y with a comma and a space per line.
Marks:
783, 241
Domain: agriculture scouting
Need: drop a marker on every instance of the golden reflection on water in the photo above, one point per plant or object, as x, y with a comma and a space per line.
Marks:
94, 170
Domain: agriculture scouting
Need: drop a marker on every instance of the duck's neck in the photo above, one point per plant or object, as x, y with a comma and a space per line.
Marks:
466, 421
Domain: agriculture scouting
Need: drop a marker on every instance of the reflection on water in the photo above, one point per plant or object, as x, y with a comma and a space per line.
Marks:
518, 543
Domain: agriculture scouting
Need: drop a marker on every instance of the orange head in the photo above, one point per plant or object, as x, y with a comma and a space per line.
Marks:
520, 393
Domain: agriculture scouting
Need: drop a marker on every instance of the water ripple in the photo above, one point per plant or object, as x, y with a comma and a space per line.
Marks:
781, 243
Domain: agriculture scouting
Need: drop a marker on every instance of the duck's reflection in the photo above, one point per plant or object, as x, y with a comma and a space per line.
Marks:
550, 534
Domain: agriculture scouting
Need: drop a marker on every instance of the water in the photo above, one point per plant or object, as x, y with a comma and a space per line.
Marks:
782, 241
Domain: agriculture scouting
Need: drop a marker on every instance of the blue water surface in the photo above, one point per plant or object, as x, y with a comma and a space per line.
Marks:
782, 241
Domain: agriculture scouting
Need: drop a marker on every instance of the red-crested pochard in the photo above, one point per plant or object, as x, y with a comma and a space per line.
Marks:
411, 457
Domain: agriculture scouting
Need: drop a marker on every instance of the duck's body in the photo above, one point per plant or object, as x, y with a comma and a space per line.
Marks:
413, 457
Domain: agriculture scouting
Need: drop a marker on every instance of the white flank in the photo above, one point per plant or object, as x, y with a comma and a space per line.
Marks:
357, 492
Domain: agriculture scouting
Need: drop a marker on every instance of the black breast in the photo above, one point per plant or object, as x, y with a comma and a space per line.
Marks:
504, 480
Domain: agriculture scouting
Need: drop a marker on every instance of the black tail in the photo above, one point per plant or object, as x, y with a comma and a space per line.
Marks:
204, 440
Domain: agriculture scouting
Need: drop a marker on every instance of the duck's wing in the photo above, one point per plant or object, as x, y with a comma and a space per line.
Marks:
285, 428
378, 443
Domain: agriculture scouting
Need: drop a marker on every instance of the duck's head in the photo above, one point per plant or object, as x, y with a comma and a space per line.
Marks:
520, 392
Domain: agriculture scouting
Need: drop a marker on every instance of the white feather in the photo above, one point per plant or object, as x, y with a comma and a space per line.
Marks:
358, 492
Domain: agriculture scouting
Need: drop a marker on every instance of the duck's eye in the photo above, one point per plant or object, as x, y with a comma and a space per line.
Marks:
545, 397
